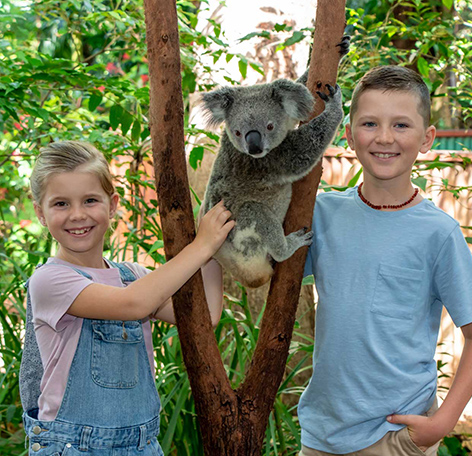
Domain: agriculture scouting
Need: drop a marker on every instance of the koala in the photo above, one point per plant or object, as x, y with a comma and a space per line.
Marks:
260, 156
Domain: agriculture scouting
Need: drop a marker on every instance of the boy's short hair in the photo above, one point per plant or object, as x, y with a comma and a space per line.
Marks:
394, 78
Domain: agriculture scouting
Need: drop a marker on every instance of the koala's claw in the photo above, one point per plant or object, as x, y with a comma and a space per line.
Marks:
344, 45
332, 92
305, 236
331, 89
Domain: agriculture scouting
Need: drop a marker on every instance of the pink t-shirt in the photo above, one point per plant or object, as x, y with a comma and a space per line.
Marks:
53, 289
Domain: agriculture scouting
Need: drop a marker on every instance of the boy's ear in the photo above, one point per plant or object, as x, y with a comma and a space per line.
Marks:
114, 200
349, 137
39, 213
429, 138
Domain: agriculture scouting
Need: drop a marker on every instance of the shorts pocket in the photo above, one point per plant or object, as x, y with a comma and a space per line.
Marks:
397, 291
115, 353
414, 449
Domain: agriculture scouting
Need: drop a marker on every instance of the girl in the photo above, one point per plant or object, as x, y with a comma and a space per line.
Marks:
98, 394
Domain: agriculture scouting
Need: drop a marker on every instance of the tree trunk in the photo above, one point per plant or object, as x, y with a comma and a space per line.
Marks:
232, 423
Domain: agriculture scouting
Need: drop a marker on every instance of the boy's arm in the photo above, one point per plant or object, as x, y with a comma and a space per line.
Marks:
213, 284
426, 431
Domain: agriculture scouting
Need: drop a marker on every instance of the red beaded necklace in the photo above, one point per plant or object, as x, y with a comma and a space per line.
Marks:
385, 206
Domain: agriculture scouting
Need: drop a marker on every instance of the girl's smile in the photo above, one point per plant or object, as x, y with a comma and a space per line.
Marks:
80, 231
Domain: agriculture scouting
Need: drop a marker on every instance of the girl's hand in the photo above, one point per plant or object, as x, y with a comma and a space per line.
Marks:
213, 229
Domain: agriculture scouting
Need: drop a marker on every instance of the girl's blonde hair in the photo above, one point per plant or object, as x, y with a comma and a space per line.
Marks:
67, 156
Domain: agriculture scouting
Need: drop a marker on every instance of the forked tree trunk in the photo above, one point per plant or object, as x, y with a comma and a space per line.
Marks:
232, 422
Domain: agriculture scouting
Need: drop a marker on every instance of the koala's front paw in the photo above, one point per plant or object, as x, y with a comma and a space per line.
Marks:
334, 99
303, 237
344, 45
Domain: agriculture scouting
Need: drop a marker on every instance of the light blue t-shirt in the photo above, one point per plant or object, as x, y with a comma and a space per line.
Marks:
382, 279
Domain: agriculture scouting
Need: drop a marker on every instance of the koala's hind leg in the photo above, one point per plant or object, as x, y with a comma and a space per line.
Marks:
270, 230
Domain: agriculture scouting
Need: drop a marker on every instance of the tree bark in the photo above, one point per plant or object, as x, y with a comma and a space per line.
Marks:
232, 423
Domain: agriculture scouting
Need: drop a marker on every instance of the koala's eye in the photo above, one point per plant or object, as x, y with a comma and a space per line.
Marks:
270, 127
237, 133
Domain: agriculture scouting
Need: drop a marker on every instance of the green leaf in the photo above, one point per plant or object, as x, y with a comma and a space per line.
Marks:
257, 67
423, 67
280, 27
156, 246
448, 3
126, 121
189, 82
11, 412
468, 240
263, 34
295, 38
243, 67
145, 133
196, 156
94, 101
308, 280
116, 112
136, 131
421, 182
355, 179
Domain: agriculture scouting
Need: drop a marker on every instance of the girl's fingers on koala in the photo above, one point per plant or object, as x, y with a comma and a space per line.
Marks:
228, 226
224, 216
215, 211
216, 207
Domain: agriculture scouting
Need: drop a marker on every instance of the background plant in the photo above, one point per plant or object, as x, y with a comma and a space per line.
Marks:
77, 70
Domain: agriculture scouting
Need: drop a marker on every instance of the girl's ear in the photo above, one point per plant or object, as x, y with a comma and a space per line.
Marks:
429, 137
39, 213
114, 199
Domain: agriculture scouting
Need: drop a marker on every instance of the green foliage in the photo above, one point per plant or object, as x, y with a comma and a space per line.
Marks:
452, 446
422, 35
77, 70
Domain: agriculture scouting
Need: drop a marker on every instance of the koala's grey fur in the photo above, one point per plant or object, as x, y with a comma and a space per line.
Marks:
261, 154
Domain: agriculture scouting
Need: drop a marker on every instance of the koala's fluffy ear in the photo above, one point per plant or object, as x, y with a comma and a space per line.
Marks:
295, 98
216, 104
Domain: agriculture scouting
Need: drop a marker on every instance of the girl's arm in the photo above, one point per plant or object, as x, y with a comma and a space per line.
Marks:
213, 284
148, 294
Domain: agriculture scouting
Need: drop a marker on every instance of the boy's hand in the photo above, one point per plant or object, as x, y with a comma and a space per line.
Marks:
425, 431
213, 229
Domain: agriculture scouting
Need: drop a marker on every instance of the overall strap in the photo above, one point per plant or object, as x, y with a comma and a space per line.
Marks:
127, 275
31, 366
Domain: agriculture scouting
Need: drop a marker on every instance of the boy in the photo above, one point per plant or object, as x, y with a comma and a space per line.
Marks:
385, 261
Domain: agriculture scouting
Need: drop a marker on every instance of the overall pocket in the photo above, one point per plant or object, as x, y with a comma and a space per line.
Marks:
115, 353
397, 291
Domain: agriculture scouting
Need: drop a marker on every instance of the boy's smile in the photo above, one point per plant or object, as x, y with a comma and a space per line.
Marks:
387, 133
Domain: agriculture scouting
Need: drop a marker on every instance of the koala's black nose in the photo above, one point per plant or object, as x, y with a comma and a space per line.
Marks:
253, 139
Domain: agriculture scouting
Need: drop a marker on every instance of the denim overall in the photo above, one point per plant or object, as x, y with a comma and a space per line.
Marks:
110, 405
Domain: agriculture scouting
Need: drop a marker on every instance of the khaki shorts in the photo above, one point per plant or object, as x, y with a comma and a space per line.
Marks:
394, 443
